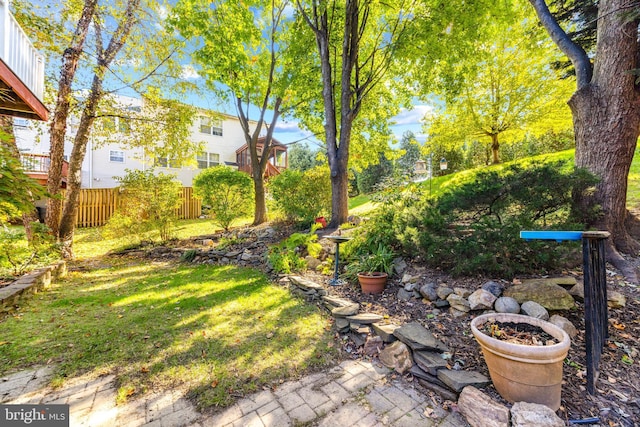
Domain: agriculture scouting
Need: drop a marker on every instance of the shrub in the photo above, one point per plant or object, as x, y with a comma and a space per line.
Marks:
17, 255
148, 203
474, 228
288, 256
228, 194
302, 196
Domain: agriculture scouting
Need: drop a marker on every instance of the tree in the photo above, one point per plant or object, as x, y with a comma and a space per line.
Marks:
226, 192
248, 64
411, 149
509, 89
606, 114
302, 158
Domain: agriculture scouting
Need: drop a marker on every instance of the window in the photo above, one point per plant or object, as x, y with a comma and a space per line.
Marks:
21, 123
165, 162
210, 127
116, 156
206, 160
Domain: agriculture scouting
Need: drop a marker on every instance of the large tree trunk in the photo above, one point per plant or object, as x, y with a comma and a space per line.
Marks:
495, 147
59, 120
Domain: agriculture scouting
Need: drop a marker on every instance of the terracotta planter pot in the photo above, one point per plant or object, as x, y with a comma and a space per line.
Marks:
524, 373
372, 283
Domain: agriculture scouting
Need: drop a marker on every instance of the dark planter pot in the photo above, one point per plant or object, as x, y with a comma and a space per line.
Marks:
372, 283
524, 373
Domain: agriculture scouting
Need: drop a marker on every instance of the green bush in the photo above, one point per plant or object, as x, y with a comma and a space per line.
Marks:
474, 228
302, 196
148, 203
228, 194
288, 256
17, 255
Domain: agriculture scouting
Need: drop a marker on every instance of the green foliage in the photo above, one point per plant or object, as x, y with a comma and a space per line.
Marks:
17, 190
17, 255
302, 196
411, 154
188, 255
227, 193
288, 255
302, 158
474, 226
148, 203
372, 175
379, 260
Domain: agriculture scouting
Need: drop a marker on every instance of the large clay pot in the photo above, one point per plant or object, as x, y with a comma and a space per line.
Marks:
372, 283
524, 373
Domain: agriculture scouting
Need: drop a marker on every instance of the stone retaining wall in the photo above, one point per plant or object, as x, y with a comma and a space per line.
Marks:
30, 284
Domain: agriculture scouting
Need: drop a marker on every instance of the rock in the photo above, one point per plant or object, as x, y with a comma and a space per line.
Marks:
525, 414
457, 380
494, 287
441, 303
429, 361
385, 331
207, 242
577, 291
399, 265
403, 295
406, 278
337, 302
507, 305
267, 232
358, 339
301, 282
365, 318
373, 345
481, 410
429, 291
342, 324
457, 313
615, 299
548, 295
481, 299
533, 309
566, 282
349, 310
459, 303
565, 324
418, 372
312, 263
397, 357
419, 337
444, 392
443, 292
463, 292
410, 287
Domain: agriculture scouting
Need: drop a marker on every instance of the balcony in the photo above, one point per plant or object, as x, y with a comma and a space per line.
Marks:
21, 71
37, 167
278, 160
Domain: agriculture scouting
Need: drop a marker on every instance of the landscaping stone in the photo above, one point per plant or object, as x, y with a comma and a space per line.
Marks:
345, 311
577, 291
494, 287
615, 299
365, 318
525, 414
373, 345
418, 372
458, 302
312, 263
358, 339
429, 361
428, 291
337, 302
404, 295
481, 410
444, 392
507, 305
406, 278
533, 309
399, 265
397, 357
410, 287
443, 292
385, 331
342, 324
565, 324
463, 292
481, 299
441, 303
419, 337
457, 380
305, 283
547, 294
207, 242
565, 281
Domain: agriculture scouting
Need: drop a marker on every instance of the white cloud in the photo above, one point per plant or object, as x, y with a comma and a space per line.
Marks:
287, 127
414, 116
188, 72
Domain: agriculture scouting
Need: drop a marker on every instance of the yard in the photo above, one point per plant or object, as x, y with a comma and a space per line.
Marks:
219, 331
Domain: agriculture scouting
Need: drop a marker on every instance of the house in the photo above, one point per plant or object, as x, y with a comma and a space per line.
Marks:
222, 138
21, 71
278, 160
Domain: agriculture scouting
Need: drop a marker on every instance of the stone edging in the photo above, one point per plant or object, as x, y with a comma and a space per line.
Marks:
30, 284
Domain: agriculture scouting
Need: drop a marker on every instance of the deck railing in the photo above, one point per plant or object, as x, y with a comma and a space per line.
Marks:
39, 163
19, 54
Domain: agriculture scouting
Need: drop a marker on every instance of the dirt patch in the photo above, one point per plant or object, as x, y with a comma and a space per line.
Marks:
518, 333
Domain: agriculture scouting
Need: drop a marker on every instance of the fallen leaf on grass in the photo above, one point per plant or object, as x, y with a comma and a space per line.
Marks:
619, 326
4, 342
214, 384
144, 370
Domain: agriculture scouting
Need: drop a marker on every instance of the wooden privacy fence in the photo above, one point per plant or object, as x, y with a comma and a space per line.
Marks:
96, 205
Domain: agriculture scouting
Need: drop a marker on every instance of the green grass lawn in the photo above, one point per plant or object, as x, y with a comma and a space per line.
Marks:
222, 331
